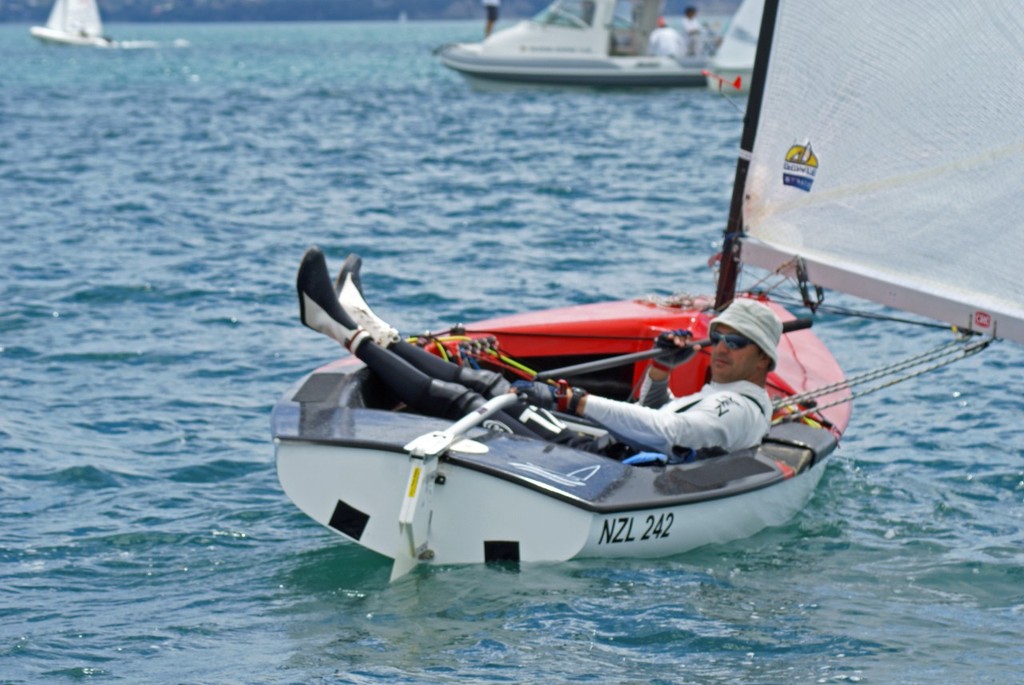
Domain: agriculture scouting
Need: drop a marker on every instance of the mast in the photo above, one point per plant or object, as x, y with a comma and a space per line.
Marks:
730, 267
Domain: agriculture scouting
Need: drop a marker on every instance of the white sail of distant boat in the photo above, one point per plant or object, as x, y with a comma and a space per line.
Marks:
735, 56
912, 194
73, 22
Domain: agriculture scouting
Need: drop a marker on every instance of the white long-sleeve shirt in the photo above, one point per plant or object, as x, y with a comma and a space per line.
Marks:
731, 416
694, 31
666, 41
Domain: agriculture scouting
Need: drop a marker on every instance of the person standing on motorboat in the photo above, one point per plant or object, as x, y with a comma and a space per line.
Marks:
491, 7
694, 32
665, 41
731, 412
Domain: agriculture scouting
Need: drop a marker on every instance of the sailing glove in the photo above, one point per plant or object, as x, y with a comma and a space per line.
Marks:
536, 393
679, 355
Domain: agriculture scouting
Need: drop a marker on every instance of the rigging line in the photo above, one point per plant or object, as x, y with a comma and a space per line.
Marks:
846, 311
892, 369
634, 392
967, 351
946, 349
827, 308
721, 89
578, 336
839, 310
510, 362
757, 287
778, 272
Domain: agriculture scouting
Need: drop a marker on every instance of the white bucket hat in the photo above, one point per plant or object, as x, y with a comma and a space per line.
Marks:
753, 320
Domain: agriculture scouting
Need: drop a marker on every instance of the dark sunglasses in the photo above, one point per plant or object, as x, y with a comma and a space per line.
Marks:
732, 341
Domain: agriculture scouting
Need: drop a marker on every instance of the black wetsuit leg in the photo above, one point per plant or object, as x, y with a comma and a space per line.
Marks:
487, 383
451, 400
423, 393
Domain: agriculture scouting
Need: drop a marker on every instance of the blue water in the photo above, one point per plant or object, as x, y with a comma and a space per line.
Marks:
155, 204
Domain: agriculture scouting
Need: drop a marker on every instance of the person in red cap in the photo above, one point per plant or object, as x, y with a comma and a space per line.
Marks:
666, 41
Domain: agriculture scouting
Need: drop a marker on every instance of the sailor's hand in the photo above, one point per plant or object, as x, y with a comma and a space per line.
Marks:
536, 393
677, 340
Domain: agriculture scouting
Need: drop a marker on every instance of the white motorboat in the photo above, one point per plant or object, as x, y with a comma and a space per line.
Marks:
583, 43
73, 22
907, 194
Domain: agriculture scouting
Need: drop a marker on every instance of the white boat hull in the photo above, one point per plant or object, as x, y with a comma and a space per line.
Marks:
467, 509
354, 459
63, 38
578, 70
473, 514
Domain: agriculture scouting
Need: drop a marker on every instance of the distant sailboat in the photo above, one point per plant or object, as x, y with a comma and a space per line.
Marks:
73, 22
733, 62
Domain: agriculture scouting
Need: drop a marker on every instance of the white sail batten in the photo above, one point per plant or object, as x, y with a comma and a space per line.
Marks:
892, 163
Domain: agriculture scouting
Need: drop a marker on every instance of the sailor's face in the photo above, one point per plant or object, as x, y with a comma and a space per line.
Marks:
747, 363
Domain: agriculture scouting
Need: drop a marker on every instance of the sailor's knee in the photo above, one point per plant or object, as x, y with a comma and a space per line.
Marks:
454, 399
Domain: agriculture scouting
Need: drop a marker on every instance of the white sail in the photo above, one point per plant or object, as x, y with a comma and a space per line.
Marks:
889, 155
739, 43
76, 17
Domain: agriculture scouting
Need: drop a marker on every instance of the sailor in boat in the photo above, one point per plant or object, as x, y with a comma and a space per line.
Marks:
697, 35
731, 412
666, 41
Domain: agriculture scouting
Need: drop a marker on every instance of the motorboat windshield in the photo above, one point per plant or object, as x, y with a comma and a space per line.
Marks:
628, 22
571, 13
631, 25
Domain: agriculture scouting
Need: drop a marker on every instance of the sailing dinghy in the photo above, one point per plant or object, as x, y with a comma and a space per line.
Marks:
844, 179
733, 62
73, 22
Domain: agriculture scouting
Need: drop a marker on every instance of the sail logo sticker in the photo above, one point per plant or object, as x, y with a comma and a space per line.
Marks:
800, 167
